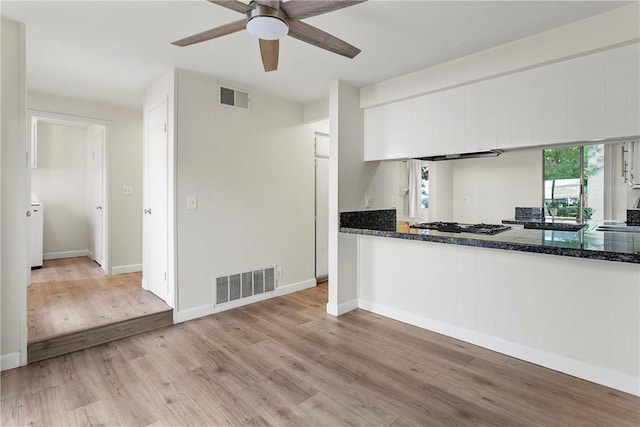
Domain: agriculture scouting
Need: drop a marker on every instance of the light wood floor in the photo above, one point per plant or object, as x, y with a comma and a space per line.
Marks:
285, 362
73, 294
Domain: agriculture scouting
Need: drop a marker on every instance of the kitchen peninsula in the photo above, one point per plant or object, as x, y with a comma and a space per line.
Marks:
569, 301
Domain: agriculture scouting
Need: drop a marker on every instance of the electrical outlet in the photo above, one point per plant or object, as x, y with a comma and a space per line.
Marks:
126, 190
367, 201
465, 201
279, 273
192, 202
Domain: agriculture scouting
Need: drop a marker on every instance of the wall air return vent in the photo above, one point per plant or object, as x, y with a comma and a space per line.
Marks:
234, 97
246, 284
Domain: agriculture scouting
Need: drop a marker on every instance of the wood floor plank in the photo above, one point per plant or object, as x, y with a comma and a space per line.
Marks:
285, 362
60, 344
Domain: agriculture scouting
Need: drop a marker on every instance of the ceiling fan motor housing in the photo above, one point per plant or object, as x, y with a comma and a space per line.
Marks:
267, 23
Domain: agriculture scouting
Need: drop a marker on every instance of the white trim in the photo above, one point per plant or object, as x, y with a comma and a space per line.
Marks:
345, 307
577, 368
66, 254
10, 361
66, 119
207, 309
123, 269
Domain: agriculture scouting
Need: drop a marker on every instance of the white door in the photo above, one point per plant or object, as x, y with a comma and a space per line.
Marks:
322, 206
97, 145
156, 235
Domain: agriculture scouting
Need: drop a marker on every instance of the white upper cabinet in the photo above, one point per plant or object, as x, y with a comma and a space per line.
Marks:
522, 109
585, 98
615, 90
503, 112
633, 90
550, 104
486, 118
470, 138
452, 121
592, 97
421, 141
387, 128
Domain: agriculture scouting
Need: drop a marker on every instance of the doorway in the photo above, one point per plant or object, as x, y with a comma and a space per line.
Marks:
68, 181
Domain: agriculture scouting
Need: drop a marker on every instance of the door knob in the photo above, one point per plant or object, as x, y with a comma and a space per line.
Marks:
147, 211
28, 214
99, 207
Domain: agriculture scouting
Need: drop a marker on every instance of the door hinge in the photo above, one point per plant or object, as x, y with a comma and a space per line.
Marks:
165, 127
165, 277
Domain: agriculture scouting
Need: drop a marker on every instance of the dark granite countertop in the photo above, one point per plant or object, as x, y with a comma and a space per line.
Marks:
608, 246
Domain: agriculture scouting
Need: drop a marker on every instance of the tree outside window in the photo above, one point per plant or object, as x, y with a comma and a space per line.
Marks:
563, 174
424, 187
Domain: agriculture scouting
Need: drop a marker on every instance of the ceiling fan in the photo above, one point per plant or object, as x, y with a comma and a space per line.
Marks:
270, 20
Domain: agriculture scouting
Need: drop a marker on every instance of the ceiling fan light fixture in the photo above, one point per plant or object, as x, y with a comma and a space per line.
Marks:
267, 27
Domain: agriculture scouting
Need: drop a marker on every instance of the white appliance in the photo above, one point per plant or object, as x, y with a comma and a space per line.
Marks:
37, 231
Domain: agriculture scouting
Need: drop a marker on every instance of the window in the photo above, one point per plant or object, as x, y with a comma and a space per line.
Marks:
574, 182
424, 187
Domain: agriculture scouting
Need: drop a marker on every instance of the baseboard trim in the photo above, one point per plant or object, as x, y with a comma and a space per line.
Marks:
586, 371
208, 309
10, 361
340, 309
67, 254
124, 269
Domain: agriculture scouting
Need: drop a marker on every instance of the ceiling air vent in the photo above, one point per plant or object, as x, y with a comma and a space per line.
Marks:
234, 97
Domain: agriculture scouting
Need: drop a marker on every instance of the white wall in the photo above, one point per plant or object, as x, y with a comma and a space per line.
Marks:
349, 180
14, 196
253, 174
124, 163
619, 26
493, 187
60, 181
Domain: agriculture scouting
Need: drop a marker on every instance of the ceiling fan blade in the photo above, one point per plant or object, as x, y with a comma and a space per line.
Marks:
230, 28
269, 51
235, 5
300, 9
315, 36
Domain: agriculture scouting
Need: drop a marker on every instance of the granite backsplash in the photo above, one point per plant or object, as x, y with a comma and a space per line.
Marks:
383, 220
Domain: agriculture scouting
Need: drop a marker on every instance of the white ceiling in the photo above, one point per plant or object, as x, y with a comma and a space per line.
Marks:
111, 51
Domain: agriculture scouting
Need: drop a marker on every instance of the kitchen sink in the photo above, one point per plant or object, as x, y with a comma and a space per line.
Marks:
557, 226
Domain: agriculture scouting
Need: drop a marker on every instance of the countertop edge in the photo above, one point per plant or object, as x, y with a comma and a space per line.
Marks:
511, 246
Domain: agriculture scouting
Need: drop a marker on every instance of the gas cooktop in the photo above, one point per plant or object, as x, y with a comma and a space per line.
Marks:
454, 227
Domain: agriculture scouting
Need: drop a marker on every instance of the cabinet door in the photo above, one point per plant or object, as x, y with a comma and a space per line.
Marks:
615, 89
633, 90
503, 112
585, 98
452, 121
420, 143
486, 115
377, 124
470, 138
550, 104
522, 109
387, 130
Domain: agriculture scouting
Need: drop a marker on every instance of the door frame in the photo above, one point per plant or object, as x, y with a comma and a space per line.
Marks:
83, 122
317, 156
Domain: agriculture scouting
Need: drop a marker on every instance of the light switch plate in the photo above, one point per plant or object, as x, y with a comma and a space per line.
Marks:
126, 190
192, 202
